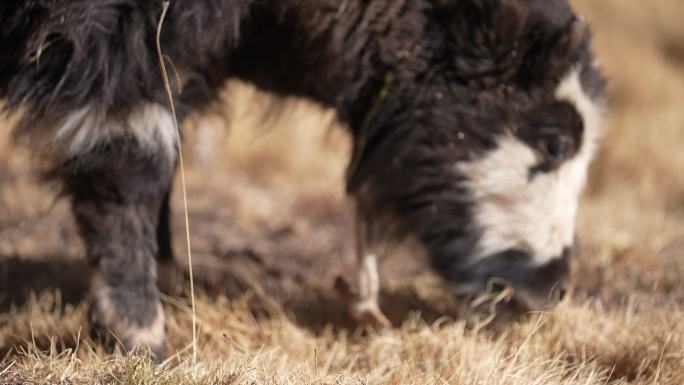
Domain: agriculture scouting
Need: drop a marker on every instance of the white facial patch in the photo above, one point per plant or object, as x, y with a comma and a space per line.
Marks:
538, 214
150, 124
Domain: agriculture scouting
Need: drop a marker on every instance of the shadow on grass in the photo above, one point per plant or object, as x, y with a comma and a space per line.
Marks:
312, 308
21, 278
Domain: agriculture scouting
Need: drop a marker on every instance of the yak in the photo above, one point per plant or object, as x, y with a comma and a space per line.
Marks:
473, 122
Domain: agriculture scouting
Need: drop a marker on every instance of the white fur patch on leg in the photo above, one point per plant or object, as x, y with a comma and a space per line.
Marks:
131, 334
369, 279
366, 308
150, 124
538, 214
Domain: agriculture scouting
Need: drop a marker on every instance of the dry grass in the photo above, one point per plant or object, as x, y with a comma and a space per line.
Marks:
575, 344
274, 187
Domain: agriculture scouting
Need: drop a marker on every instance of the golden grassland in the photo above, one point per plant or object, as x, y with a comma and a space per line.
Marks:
622, 325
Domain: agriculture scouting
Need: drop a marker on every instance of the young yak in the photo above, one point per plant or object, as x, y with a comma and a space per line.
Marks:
474, 122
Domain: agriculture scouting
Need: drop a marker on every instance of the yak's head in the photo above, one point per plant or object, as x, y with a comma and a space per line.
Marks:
487, 165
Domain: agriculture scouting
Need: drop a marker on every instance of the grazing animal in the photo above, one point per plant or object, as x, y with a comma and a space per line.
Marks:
473, 121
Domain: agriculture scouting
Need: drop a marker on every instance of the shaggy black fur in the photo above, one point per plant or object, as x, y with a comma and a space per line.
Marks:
58, 56
447, 76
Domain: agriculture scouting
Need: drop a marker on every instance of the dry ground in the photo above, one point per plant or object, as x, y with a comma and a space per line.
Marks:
271, 230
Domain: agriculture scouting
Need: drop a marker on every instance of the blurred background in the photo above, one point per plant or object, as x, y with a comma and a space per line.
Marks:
269, 215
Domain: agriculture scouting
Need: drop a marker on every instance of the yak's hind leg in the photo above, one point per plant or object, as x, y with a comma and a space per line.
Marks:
363, 305
169, 273
118, 186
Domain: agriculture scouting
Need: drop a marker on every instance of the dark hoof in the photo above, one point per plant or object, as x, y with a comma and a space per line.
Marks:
170, 278
344, 290
366, 313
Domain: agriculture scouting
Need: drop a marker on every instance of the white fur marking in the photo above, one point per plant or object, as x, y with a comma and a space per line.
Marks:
132, 334
369, 279
150, 124
537, 215
366, 308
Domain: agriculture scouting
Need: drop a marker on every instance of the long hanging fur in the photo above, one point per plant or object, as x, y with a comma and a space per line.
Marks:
59, 56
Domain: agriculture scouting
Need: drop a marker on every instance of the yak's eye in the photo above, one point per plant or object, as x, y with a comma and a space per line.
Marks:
554, 146
555, 133
558, 147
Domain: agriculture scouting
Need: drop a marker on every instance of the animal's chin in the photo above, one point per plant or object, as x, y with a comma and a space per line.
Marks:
512, 275
494, 291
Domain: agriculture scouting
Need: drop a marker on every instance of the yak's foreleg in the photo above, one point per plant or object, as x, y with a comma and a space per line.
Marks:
364, 305
118, 188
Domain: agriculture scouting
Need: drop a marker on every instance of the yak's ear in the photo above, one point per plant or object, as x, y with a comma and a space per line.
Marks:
508, 18
573, 37
484, 31
576, 34
484, 34
503, 19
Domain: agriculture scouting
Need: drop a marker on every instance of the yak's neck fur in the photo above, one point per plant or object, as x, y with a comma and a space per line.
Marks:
378, 63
